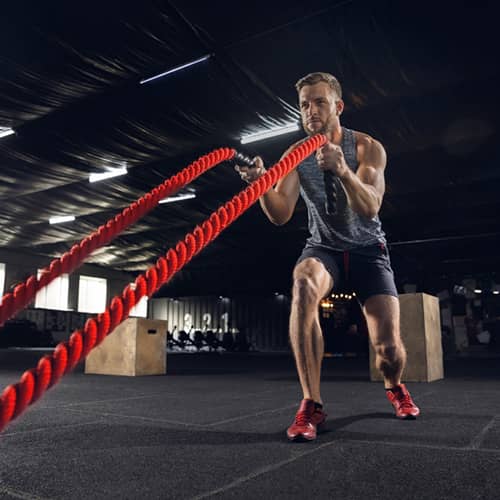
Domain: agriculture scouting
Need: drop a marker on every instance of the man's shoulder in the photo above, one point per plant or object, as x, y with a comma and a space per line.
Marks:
369, 148
298, 143
294, 146
364, 139
365, 143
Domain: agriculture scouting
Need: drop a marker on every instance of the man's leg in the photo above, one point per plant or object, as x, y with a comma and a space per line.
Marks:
311, 282
382, 318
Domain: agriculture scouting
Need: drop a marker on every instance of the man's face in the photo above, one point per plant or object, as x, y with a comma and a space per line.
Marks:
319, 106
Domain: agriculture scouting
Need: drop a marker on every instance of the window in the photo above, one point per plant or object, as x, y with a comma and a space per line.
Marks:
2, 280
55, 295
92, 294
141, 308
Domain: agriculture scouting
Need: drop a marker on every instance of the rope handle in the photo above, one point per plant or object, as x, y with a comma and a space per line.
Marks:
244, 159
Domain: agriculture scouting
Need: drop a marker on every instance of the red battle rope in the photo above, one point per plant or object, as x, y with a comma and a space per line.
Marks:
34, 382
24, 293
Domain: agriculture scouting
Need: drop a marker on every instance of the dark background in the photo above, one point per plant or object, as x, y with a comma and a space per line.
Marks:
422, 78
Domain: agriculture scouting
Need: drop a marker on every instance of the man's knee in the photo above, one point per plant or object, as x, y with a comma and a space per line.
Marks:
306, 290
311, 282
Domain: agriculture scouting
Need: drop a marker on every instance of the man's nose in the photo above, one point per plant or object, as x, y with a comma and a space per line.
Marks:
313, 109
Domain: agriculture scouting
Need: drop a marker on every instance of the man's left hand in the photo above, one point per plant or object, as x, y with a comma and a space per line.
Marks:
331, 157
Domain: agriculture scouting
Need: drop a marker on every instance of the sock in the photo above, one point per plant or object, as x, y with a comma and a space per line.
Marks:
393, 389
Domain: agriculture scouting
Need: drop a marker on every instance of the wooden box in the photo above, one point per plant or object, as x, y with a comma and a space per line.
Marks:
136, 347
421, 335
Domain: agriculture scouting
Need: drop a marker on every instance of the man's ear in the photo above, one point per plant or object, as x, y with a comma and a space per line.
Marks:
340, 106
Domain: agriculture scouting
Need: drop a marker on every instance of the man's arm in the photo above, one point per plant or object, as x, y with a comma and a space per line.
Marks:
365, 188
279, 202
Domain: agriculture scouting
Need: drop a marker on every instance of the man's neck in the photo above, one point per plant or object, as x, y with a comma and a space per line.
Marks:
335, 135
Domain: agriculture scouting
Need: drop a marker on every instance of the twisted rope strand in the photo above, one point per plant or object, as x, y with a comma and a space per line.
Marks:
34, 382
24, 293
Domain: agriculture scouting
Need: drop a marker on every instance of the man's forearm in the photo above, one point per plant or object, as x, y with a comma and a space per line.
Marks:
363, 198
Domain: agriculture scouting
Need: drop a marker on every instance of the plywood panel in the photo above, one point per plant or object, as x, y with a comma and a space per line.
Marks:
421, 335
136, 347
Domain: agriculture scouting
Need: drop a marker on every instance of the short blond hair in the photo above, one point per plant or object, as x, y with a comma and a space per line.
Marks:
313, 78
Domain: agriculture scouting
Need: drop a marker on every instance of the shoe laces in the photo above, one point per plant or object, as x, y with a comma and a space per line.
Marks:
302, 417
405, 400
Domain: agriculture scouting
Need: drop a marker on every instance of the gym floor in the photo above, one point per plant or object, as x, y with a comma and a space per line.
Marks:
214, 427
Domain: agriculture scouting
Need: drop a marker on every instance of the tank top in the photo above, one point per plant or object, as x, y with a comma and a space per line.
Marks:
345, 229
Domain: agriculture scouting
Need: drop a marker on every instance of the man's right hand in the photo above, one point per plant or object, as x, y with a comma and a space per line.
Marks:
251, 174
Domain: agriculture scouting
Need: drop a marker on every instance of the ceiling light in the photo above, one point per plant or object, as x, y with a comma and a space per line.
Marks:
177, 68
4, 132
115, 172
496, 292
270, 132
478, 290
61, 218
178, 197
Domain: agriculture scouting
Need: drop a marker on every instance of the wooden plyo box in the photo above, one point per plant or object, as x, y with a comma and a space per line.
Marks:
421, 335
136, 347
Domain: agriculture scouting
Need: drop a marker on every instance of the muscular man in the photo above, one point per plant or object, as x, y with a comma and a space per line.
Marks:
347, 244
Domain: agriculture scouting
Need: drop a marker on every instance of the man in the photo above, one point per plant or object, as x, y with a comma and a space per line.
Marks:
343, 187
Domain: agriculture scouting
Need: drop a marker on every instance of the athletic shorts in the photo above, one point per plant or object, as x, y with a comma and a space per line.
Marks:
366, 271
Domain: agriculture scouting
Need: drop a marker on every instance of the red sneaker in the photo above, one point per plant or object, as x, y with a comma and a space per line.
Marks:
308, 421
402, 402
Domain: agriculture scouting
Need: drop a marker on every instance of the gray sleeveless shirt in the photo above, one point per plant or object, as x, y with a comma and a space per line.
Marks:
345, 230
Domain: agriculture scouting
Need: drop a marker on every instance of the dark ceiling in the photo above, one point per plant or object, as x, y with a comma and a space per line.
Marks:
423, 78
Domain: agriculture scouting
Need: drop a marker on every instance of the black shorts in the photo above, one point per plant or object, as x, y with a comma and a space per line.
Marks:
366, 271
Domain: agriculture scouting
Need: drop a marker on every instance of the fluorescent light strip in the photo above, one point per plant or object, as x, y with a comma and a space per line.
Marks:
267, 133
179, 197
178, 68
116, 172
6, 131
61, 218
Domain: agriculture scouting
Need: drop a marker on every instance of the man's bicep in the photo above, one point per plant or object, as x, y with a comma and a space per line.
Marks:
373, 177
289, 187
371, 170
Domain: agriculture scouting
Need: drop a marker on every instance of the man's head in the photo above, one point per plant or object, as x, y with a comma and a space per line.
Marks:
320, 101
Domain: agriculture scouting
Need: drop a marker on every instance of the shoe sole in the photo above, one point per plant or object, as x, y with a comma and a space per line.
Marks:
300, 438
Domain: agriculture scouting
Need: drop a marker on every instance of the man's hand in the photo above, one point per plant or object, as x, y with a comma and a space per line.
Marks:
331, 157
251, 174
